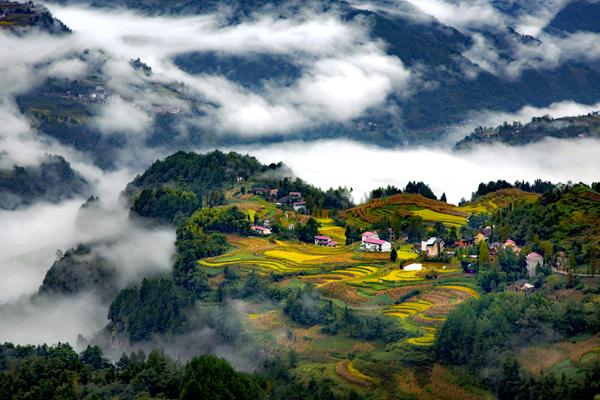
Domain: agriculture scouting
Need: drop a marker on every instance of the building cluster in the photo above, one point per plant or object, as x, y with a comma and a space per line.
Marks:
292, 200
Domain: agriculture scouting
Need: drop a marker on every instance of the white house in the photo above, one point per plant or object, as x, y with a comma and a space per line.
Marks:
370, 244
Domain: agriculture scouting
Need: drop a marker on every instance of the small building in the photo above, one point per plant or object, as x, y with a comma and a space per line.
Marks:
273, 193
487, 231
510, 244
521, 286
260, 230
534, 261
376, 245
299, 206
294, 195
325, 241
433, 247
464, 242
258, 190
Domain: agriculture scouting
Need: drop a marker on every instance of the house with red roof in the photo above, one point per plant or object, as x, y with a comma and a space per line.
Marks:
260, 230
325, 241
370, 243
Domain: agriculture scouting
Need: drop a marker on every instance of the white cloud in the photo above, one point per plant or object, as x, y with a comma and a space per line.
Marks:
364, 167
120, 116
69, 68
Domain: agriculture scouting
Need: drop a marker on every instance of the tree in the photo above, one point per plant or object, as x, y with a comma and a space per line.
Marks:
484, 253
209, 377
393, 255
443, 198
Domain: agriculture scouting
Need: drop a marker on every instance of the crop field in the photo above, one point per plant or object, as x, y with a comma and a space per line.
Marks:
349, 372
328, 228
430, 210
290, 257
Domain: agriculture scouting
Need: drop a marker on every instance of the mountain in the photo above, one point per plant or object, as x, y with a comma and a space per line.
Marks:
576, 16
53, 180
438, 52
583, 126
21, 18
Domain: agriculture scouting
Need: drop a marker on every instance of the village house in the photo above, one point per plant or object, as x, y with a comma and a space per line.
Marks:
464, 242
299, 206
295, 195
325, 241
534, 261
371, 242
259, 190
260, 230
487, 231
521, 286
433, 247
377, 245
510, 244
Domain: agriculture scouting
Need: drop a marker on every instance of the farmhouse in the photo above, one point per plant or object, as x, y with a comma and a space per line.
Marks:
295, 195
534, 261
510, 244
464, 242
299, 206
521, 286
378, 245
260, 230
325, 241
433, 247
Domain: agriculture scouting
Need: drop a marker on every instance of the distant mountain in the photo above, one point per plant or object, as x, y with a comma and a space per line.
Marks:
23, 17
576, 16
53, 180
438, 52
539, 128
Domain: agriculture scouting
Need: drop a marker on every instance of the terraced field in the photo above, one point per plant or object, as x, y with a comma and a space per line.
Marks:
430, 210
358, 279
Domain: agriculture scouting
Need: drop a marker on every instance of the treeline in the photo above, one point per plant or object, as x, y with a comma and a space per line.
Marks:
481, 332
538, 186
411, 187
59, 373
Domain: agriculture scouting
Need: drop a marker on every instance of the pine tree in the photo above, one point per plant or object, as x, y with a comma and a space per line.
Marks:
393, 255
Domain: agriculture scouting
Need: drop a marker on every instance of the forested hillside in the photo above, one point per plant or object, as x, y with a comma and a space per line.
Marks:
53, 180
